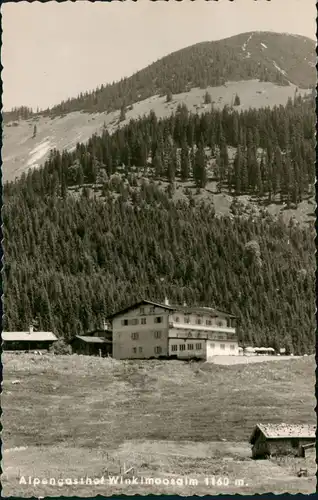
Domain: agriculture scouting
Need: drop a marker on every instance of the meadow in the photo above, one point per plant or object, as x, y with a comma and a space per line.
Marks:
76, 416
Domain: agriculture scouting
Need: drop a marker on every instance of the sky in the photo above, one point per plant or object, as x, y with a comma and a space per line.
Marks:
53, 51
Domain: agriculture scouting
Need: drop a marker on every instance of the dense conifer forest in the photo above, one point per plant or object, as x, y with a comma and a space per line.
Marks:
92, 230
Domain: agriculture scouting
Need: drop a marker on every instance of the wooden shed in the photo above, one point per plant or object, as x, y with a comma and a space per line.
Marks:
91, 345
308, 450
281, 439
103, 333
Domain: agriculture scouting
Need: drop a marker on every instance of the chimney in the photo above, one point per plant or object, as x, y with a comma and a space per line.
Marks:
30, 329
166, 301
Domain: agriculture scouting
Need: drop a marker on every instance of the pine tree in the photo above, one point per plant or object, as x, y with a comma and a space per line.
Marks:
158, 166
207, 98
199, 172
184, 162
237, 100
169, 96
122, 115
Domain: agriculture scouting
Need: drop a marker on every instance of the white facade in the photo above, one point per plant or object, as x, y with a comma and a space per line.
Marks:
187, 348
202, 348
221, 348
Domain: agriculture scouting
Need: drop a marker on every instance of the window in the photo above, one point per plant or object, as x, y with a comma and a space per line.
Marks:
124, 322
134, 350
198, 321
174, 347
208, 322
152, 309
177, 319
187, 319
182, 347
140, 349
222, 346
158, 319
158, 349
134, 322
135, 336
190, 347
232, 347
142, 310
219, 323
212, 345
198, 346
143, 321
157, 335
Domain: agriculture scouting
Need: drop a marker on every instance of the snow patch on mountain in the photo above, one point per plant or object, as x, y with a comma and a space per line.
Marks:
39, 152
279, 69
245, 44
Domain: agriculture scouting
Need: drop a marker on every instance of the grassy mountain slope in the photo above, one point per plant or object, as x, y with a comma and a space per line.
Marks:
281, 59
274, 57
21, 151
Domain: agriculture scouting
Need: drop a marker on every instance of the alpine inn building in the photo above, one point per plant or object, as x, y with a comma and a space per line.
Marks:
150, 330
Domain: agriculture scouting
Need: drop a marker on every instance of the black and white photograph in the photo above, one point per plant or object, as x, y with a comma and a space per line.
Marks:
158, 270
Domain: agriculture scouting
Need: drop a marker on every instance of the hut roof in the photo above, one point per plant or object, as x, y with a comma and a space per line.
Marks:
92, 340
28, 336
279, 431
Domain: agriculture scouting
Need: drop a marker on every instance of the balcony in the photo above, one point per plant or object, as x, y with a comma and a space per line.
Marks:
202, 328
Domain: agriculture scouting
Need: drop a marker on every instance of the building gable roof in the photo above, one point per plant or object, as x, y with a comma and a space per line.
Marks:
138, 304
176, 307
28, 336
281, 431
201, 310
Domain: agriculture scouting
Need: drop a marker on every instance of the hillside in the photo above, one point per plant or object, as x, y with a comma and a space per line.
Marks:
193, 197
166, 419
103, 224
263, 68
271, 57
21, 151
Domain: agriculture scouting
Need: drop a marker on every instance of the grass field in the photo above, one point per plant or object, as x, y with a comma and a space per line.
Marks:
77, 416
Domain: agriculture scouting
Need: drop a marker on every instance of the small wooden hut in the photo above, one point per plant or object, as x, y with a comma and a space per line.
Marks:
281, 439
91, 345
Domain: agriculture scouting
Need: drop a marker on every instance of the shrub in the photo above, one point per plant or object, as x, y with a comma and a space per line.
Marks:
60, 347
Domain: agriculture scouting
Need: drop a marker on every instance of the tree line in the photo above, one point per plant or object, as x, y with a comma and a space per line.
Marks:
274, 152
